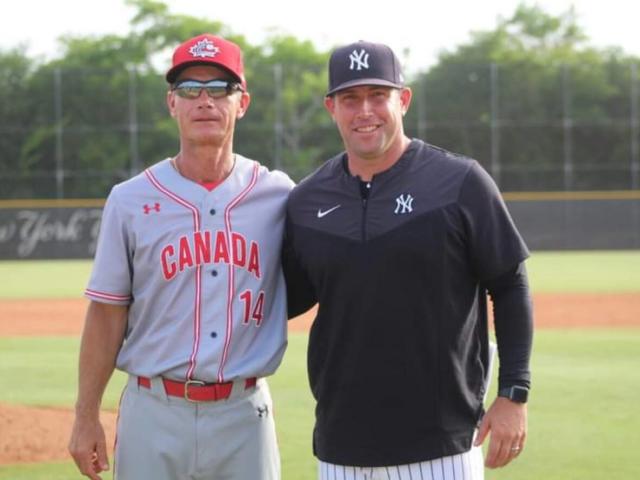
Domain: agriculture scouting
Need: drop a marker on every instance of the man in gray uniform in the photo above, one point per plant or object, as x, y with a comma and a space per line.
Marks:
187, 295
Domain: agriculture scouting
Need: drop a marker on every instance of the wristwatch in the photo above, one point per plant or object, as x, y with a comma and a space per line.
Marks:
515, 393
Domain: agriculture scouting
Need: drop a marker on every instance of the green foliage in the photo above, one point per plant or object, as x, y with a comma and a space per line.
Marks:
100, 107
287, 79
15, 106
82, 106
541, 75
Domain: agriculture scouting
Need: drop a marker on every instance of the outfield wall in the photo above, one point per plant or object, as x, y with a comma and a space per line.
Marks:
49, 229
577, 220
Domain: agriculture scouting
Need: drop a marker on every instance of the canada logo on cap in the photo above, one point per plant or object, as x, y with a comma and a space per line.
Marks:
207, 49
204, 48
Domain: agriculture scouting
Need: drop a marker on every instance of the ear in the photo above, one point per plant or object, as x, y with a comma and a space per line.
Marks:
245, 100
330, 105
405, 99
171, 103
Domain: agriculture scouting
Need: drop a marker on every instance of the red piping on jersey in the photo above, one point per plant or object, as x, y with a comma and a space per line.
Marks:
230, 291
107, 296
196, 227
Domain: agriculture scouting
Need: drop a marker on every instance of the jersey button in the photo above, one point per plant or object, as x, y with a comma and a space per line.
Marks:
212, 211
214, 334
214, 273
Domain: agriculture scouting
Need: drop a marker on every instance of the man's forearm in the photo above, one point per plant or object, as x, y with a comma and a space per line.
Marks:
513, 318
101, 340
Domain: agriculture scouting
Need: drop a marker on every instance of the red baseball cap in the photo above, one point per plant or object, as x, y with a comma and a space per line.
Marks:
207, 49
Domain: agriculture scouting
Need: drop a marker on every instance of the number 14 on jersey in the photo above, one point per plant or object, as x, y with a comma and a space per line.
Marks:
252, 310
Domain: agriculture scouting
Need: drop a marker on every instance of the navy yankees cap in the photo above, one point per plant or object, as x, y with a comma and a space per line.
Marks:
364, 63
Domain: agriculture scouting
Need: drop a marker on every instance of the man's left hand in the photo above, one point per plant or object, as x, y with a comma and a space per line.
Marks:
507, 422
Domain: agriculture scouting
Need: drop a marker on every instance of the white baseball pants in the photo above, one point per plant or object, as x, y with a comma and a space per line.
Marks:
464, 466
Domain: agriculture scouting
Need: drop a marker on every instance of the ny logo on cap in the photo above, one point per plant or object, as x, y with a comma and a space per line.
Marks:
204, 48
359, 60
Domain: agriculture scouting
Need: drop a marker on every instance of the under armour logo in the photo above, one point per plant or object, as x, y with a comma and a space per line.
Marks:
146, 208
204, 48
263, 411
403, 204
359, 60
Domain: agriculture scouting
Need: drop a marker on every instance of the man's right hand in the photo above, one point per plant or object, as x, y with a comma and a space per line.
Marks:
102, 338
88, 447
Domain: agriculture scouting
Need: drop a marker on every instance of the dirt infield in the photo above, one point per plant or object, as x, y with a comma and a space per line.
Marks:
65, 317
32, 434
41, 434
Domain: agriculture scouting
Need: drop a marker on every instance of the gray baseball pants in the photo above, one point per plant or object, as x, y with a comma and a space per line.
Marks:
163, 437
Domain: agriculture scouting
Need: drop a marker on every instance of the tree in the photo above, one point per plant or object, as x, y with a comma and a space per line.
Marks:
530, 99
547, 99
287, 81
15, 67
100, 108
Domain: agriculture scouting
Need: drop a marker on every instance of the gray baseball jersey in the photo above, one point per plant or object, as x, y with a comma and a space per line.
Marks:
199, 270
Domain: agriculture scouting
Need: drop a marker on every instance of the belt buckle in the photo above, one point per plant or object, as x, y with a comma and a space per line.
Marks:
198, 383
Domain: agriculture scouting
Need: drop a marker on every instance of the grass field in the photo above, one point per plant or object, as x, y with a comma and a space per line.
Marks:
610, 271
583, 417
599, 272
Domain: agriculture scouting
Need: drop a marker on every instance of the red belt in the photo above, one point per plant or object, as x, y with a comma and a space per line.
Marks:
197, 391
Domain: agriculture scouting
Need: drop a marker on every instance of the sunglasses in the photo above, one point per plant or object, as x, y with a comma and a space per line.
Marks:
192, 89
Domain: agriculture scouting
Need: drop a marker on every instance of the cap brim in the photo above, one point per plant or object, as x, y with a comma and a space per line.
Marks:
363, 81
174, 73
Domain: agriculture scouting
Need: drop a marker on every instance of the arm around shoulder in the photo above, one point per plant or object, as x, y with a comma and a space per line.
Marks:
300, 292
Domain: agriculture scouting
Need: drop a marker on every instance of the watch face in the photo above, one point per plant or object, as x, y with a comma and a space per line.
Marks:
515, 393
519, 394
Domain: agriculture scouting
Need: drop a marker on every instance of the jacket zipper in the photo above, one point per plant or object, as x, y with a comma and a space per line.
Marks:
365, 190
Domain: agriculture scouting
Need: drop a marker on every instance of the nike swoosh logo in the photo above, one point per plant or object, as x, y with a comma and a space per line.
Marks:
327, 212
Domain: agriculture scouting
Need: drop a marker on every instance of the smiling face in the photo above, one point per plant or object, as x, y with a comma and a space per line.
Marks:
204, 120
369, 119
